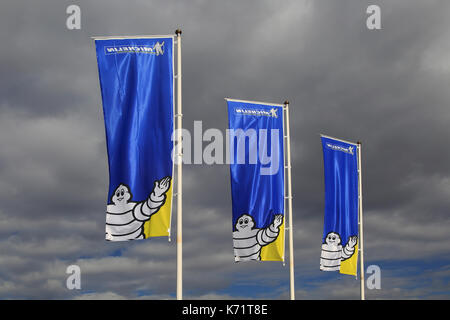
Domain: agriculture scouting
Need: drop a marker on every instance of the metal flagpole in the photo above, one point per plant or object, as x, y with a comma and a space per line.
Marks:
360, 223
179, 175
291, 239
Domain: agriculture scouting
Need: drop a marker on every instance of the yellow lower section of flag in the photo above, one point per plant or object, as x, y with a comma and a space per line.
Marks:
159, 223
274, 251
350, 266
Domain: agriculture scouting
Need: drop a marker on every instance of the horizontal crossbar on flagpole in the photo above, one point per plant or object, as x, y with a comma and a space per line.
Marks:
256, 102
341, 140
131, 37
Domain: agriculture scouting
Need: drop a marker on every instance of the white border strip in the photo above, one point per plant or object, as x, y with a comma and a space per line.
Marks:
256, 102
341, 140
285, 165
131, 37
173, 141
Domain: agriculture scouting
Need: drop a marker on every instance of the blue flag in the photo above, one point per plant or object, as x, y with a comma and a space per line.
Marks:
136, 80
257, 180
340, 233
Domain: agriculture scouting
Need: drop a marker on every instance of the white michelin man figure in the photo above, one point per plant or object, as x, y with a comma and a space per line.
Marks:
333, 252
248, 241
125, 219
273, 113
158, 48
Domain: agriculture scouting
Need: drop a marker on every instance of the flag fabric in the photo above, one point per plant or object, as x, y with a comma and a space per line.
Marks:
257, 180
137, 85
340, 233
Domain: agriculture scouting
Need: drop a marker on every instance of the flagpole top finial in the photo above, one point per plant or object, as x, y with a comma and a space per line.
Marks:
178, 32
359, 142
286, 102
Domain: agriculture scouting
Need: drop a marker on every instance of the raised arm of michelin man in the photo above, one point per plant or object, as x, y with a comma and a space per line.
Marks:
144, 210
270, 234
349, 248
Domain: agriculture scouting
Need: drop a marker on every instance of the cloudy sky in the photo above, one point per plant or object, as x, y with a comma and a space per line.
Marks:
388, 88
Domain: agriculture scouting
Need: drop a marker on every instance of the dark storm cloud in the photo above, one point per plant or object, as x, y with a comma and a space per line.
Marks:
388, 88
